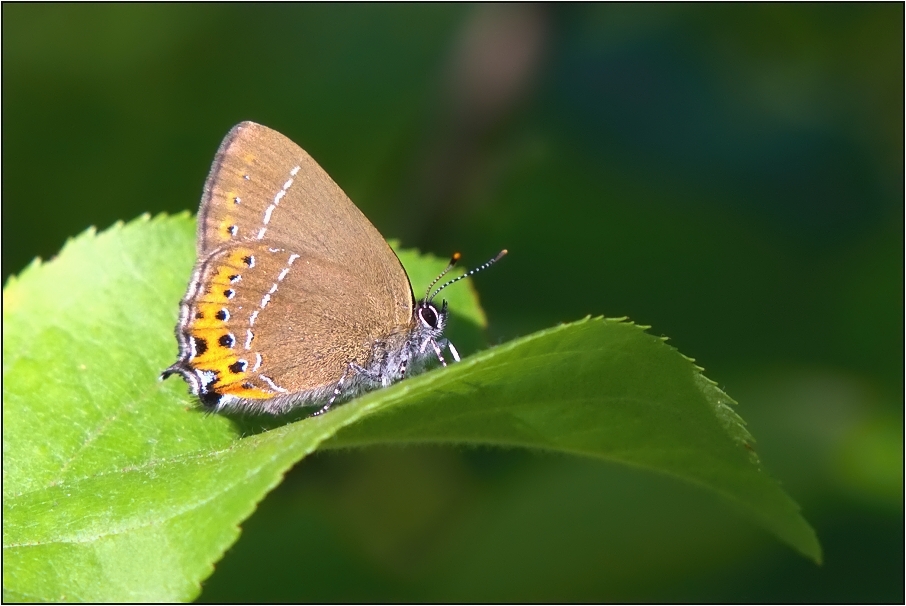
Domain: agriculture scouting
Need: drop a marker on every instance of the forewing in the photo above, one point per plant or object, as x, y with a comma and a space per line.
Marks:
265, 188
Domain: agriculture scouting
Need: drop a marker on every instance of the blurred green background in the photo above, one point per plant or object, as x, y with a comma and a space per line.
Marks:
731, 175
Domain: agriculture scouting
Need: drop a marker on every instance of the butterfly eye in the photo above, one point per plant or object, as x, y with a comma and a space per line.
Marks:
428, 316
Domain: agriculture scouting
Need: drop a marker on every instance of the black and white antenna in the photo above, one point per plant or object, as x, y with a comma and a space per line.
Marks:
453, 260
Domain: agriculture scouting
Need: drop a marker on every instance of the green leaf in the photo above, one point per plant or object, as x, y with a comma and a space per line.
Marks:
118, 488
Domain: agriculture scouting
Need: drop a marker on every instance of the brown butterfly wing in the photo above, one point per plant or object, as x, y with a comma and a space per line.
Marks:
293, 282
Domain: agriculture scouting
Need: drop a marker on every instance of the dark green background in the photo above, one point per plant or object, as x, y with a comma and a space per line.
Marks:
731, 175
